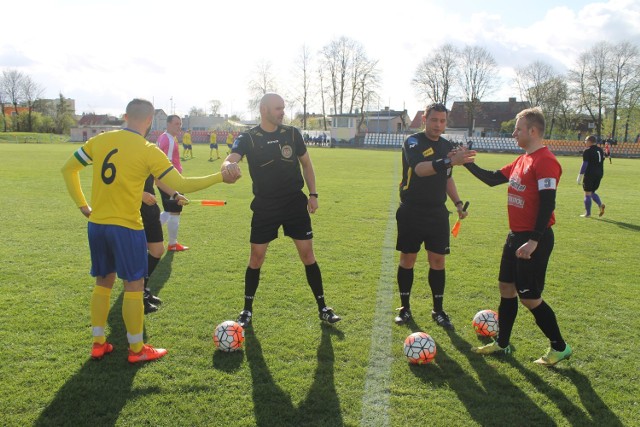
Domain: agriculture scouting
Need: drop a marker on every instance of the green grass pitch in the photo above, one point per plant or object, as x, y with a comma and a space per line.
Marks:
292, 370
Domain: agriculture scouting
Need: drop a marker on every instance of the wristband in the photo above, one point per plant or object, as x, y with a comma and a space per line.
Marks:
175, 195
458, 203
313, 195
441, 165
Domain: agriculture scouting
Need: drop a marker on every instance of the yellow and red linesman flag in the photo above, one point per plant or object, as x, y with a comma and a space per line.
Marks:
456, 227
209, 202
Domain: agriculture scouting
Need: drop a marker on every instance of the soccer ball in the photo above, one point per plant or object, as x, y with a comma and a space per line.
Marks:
485, 323
419, 348
228, 336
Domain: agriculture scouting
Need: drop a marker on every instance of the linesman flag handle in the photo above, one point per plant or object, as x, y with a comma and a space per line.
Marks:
209, 202
456, 227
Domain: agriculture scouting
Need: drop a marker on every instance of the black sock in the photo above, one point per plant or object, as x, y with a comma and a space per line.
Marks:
314, 278
436, 282
405, 283
546, 321
251, 281
152, 263
507, 313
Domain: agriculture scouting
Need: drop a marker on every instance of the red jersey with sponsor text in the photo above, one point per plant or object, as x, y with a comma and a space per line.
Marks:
528, 175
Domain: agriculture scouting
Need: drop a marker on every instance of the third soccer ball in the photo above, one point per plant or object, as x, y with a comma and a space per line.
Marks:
419, 348
485, 323
228, 336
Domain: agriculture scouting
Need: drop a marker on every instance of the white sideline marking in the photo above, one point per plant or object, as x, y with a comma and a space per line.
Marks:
375, 401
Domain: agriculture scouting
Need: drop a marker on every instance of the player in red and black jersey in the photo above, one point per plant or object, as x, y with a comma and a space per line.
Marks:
275, 154
531, 196
422, 217
592, 171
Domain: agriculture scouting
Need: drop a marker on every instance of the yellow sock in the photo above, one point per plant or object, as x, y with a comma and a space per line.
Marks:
100, 300
133, 315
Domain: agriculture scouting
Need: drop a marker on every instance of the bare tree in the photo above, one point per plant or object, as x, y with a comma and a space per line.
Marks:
337, 57
302, 74
436, 75
589, 80
214, 106
263, 82
321, 92
478, 76
3, 101
533, 82
31, 91
367, 83
197, 112
624, 76
12, 86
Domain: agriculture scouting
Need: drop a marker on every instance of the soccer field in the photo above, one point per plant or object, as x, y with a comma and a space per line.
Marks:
292, 370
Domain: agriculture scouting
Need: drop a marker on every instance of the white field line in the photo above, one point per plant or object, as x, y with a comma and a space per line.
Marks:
377, 386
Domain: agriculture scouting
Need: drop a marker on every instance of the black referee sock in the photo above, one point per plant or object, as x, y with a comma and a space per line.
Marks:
152, 264
546, 321
507, 312
405, 283
251, 281
314, 278
436, 282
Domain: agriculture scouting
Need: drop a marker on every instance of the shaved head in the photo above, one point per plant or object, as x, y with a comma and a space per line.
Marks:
271, 111
139, 110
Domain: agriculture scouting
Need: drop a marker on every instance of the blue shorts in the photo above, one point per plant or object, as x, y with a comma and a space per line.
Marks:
212, 146
117, 249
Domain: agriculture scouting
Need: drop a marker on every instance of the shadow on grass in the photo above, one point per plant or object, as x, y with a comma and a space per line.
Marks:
273, 407
623, 225
96, 394
492, 399
599, 412
161, 274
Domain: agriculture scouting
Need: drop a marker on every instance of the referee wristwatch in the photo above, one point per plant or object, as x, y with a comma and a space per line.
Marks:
175, 195
313, 195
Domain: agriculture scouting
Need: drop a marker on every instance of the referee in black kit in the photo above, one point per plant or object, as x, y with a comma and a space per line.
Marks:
275, 154
422, 217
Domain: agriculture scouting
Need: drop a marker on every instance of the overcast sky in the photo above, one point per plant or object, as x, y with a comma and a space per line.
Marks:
104, 53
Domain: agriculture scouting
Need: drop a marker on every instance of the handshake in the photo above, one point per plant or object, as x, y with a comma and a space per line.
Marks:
230, 172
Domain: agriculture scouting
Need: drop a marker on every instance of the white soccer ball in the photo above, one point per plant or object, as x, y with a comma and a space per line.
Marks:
485, 323
419, 348
228, 336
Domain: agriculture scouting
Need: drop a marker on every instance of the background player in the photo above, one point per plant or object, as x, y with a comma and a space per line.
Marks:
229, 142
213, 145
168, 143
186, 144
592, 170
150, 213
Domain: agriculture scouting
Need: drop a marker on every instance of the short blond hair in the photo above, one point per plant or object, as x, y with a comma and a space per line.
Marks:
534, 117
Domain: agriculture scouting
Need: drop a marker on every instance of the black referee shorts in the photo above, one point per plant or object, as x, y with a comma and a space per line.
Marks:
527, 274
419, 225
591, 183
169, 205
151, 221
293, 217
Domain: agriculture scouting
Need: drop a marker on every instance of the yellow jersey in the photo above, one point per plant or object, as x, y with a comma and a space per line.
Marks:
186, 138
230, 139
213, 138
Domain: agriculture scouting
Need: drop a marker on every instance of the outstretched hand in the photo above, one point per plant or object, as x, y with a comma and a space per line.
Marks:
231, 173
461, 156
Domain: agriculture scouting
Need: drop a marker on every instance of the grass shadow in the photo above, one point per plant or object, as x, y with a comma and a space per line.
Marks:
96, 394
623, 225
599, 413
273, 407
483, 396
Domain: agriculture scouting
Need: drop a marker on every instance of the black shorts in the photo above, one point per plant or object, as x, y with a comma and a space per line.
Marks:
293, 217
527, 274
169, 205
212, 146
591, 183
419, 225
151, 221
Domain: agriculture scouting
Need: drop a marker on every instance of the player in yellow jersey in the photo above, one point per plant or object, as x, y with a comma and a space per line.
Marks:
122, 160
186, 145
230, 139
213, 145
